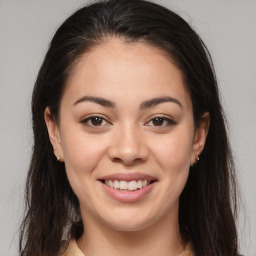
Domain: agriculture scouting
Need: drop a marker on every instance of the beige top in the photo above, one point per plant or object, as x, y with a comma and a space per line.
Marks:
73, 250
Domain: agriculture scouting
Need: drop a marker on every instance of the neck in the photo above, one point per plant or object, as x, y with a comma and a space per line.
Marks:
162, 238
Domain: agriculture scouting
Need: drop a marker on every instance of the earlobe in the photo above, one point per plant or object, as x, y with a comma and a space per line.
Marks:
200, 137
54, 134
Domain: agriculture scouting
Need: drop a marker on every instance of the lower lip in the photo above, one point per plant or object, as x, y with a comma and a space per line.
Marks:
128, 196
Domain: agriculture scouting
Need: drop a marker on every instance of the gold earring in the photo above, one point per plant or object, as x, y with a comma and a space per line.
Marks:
196, 160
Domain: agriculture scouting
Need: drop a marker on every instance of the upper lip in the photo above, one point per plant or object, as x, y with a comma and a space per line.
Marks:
128, 176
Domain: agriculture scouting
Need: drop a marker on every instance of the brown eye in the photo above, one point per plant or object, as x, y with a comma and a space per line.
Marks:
161, 122
158, 121
95, 121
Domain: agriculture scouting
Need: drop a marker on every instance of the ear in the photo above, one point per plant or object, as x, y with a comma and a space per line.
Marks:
200, 137
54, 134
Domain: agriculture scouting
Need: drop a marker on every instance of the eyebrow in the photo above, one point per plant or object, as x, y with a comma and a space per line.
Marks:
156, 101
144, 105
98, 100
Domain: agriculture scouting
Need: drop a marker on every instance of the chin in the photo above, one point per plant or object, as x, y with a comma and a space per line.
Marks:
129, 223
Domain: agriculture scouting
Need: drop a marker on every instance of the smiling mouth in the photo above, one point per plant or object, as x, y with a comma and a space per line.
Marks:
123, 185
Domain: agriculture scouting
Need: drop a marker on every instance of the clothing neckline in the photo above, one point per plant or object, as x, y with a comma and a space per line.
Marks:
72, 249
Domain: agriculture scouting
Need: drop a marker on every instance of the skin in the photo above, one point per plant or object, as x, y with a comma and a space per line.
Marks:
127, 139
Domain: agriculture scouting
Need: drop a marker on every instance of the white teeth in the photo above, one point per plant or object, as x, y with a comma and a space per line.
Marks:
111, 183
144, 183
116, 184
139, 184
125, 185
132, 185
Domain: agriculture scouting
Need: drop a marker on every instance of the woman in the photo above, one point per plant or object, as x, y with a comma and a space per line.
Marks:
124, 104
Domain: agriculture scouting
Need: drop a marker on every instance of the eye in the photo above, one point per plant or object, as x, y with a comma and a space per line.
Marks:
95, 121
161, 121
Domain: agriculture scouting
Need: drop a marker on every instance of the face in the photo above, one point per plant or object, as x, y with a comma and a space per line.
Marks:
126, 135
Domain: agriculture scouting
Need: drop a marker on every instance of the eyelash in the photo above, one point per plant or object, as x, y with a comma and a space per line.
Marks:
167, 121
88, 121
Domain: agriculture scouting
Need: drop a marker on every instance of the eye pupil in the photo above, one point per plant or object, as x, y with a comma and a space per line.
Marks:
158, 121
96, 121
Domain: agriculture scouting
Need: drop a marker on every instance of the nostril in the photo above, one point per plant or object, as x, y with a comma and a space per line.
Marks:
126, 161
117, 160
128, 152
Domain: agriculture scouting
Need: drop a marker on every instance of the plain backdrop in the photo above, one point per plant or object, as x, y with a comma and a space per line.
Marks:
228, 28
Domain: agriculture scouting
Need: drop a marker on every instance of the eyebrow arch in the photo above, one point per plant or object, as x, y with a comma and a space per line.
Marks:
156, 101
143, 105
98, 100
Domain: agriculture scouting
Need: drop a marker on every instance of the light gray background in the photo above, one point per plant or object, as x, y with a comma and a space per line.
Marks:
227, 26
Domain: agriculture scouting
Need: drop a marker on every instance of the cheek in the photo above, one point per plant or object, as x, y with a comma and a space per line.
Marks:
174, 151
173, 155
82, 153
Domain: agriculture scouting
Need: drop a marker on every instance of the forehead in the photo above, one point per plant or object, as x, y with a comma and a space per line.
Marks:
118, 69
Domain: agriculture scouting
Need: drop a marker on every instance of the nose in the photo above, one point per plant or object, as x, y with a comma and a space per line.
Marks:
128, 147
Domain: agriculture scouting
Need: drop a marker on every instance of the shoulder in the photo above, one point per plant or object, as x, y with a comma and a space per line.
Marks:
70, 248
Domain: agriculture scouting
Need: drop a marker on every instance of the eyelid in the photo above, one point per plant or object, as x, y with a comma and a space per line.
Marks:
168, 118
91, 116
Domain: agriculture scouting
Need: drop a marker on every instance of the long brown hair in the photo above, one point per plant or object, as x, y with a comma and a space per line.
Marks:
207, 204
